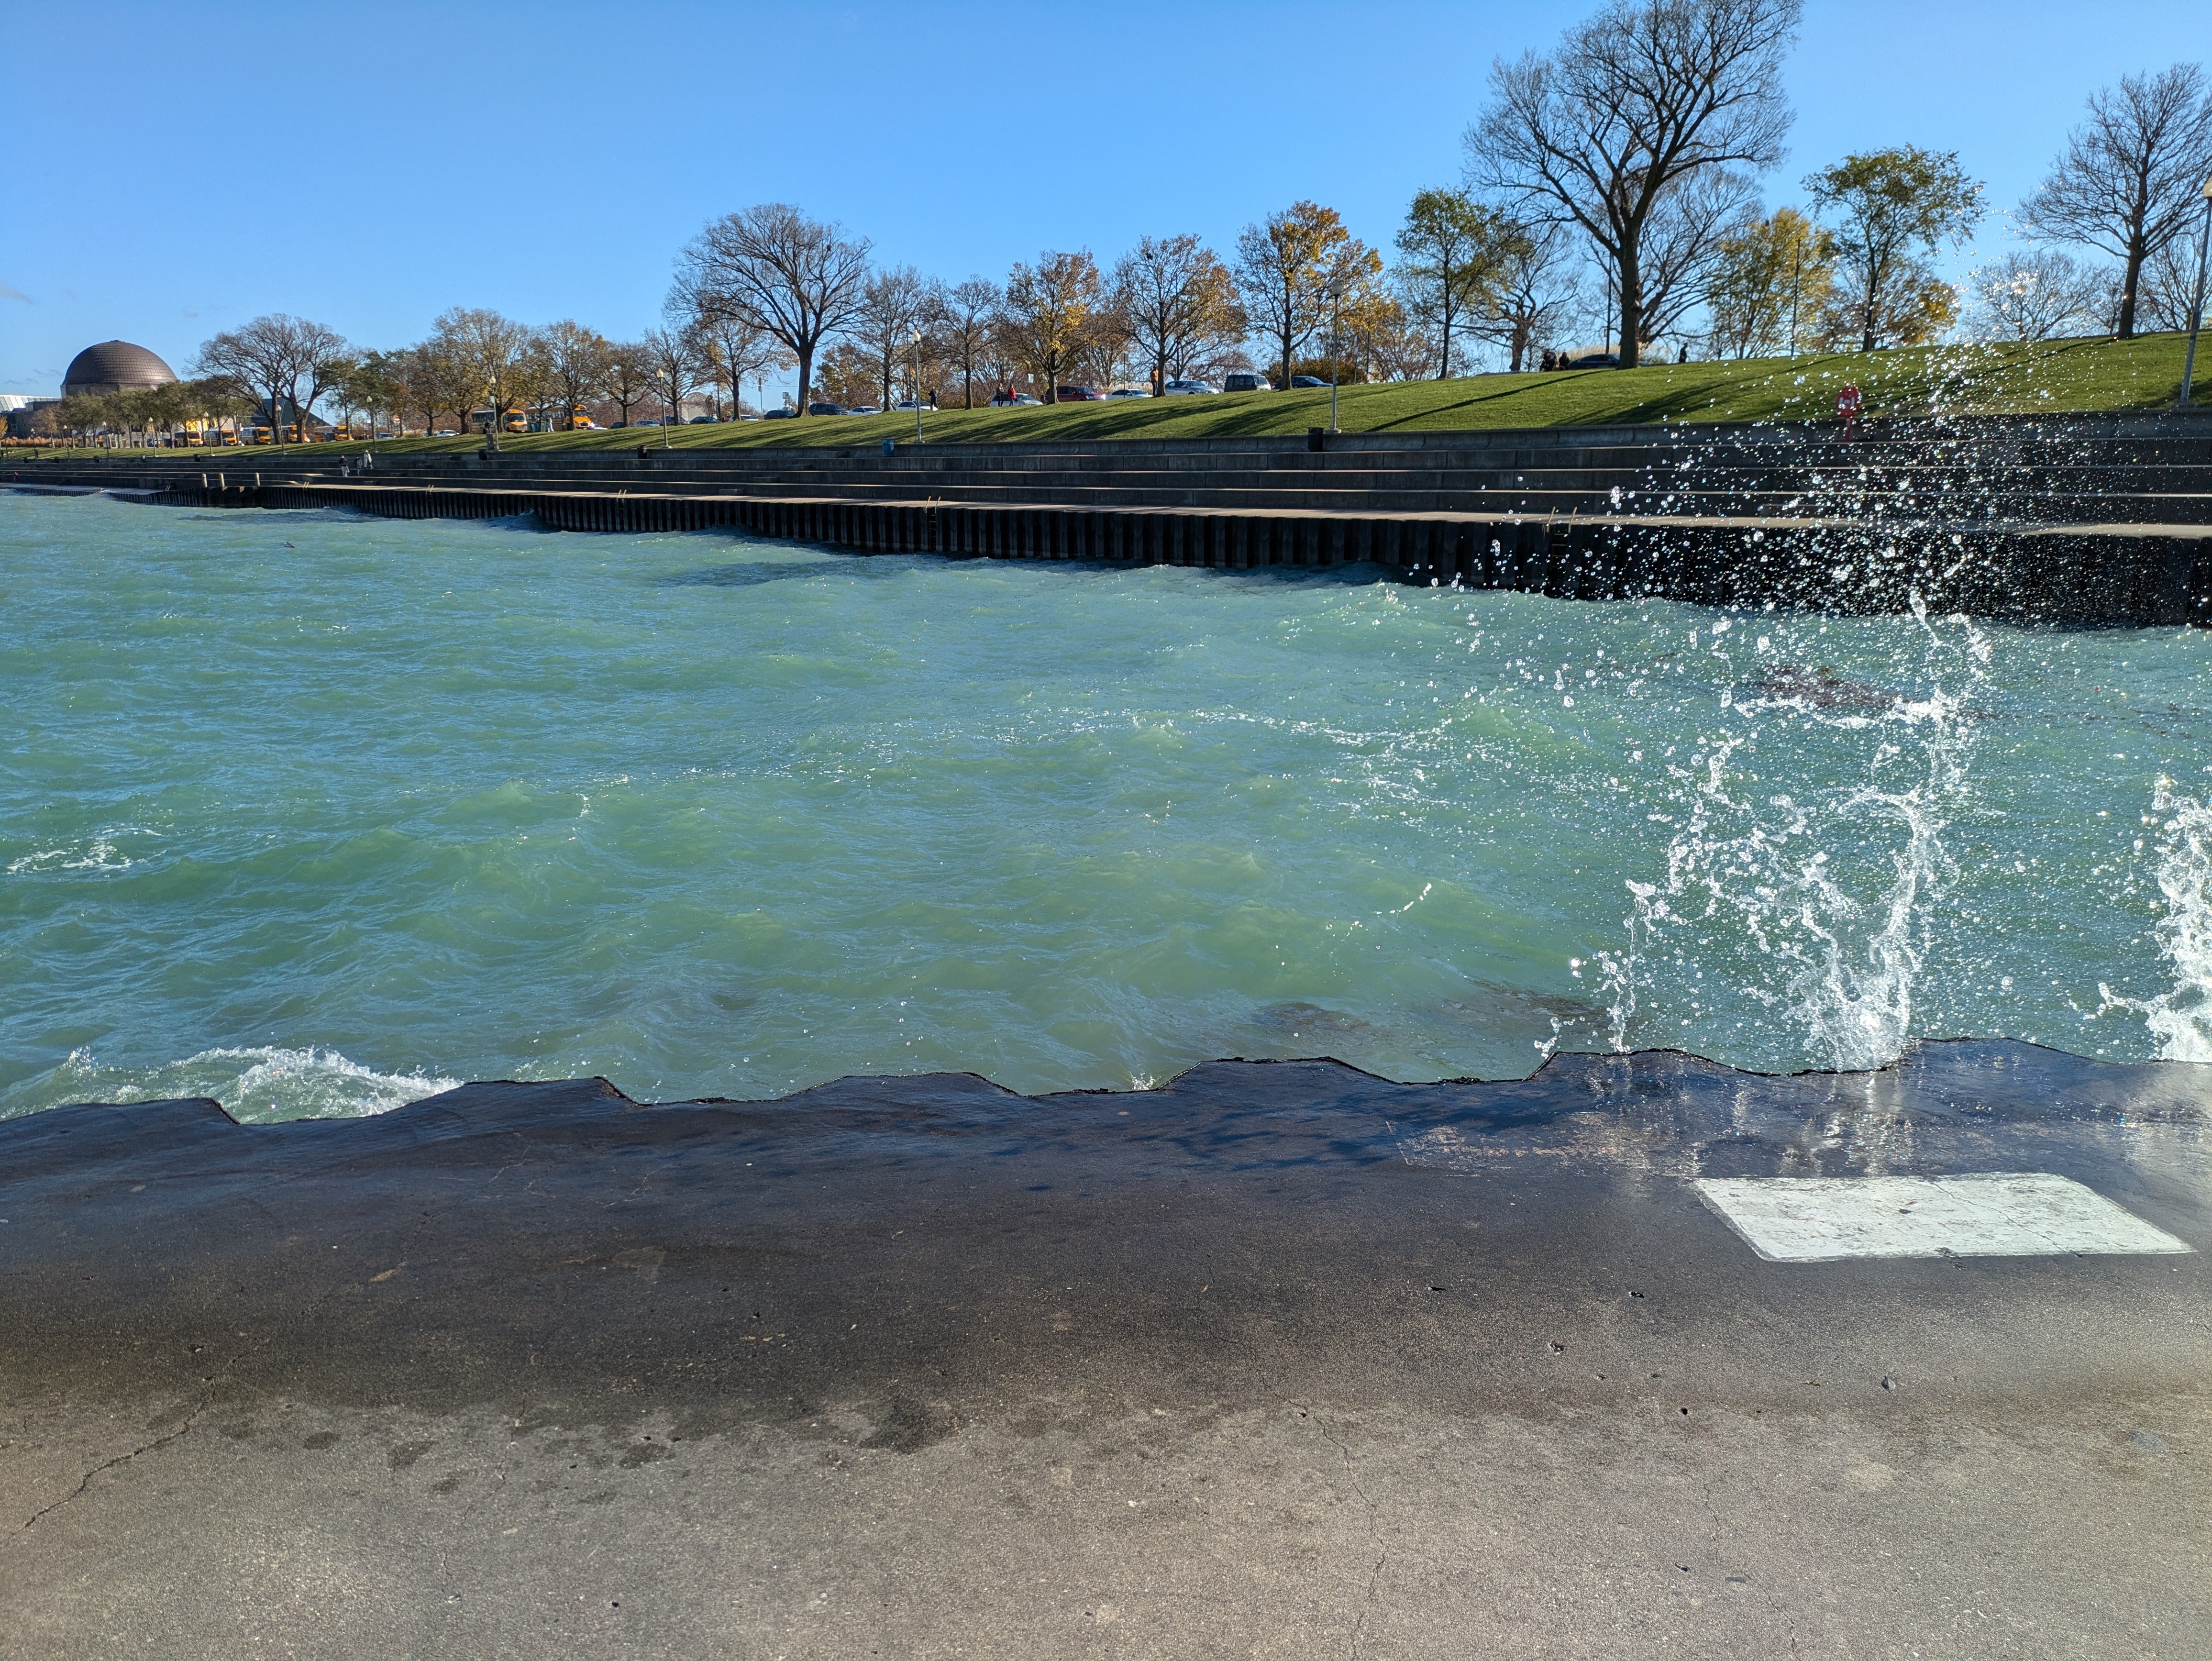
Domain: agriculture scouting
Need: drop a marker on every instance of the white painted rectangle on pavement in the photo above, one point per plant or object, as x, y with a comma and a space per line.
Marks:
1810, 1219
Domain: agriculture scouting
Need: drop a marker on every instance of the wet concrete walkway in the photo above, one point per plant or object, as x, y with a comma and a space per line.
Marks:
1277, 1360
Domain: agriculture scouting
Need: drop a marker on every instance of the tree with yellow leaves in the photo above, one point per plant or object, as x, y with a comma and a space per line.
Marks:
1049, 307
1294, 268
1770, 285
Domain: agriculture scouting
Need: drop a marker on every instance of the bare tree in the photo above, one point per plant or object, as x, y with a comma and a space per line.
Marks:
740, 349
493, 350
1682, 244
1634, 104
458, 384
421, 386
1292, 267
2033, 295
576, 364
2129, 179
629, 377
274, 356
797, 278
1047, 309
961, 316
1180, 302
673, 356
1898, 206
1538, 296
2169, 286
892, 308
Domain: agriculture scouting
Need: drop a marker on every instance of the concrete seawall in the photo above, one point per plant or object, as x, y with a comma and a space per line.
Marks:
2101, 521
2113, 574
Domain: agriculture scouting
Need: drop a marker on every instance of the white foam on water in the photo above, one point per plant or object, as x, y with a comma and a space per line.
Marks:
2181, 1018
99, 855
1841, 967
257, 1082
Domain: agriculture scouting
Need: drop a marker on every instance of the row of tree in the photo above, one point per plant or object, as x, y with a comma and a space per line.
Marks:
1611, 183
1647, 129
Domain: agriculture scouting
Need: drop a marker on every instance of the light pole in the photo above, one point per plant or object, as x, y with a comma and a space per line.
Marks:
2197, 308
491, 427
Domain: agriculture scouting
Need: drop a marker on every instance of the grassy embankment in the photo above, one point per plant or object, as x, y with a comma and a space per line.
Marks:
2051, 377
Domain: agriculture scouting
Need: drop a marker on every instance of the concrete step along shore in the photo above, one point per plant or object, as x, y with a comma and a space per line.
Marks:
2101, 520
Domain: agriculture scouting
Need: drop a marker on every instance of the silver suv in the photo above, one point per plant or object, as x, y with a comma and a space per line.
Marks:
1245, 381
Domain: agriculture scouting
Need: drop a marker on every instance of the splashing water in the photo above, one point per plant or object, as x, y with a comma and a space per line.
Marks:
2181, 1019
259, 1083
1839, 966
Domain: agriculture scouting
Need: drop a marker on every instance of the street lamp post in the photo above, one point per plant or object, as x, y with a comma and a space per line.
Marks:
491, 427
2196, 306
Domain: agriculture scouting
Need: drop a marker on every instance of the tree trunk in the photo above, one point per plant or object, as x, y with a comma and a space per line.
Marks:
1631, 303
2129, 284
1444, 358
805, 378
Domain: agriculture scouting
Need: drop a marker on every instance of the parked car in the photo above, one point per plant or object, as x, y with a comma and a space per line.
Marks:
909, 406
780, 415
1187, 389
1130, 391
1302, 382
445, 432
701, 421
1077, 395
826, 409
1245, 380
1595, 361
864, 409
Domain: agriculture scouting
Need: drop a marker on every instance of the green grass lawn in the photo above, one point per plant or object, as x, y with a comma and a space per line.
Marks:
2052, 377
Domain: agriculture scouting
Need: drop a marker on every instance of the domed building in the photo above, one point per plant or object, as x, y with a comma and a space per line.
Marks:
114, 365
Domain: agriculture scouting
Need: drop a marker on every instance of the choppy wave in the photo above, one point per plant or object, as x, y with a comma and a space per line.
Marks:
99, 854
463, 805
258, 1083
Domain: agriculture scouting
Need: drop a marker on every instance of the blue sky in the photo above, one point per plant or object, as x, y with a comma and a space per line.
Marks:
178, 170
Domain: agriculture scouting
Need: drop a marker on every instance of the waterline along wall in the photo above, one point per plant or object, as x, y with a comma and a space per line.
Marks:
2102, 520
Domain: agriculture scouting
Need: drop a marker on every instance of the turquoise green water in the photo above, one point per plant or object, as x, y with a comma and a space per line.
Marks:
314, 813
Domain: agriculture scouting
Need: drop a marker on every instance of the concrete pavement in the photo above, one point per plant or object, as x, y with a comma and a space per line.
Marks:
1277, 1360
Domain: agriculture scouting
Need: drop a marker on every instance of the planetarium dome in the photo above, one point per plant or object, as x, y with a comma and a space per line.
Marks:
115, 365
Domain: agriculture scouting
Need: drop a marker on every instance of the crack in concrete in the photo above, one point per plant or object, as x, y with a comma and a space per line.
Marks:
226, 1370
84, 1482
1382, 1554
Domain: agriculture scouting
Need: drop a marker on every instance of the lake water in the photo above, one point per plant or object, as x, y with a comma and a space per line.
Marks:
315, 814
